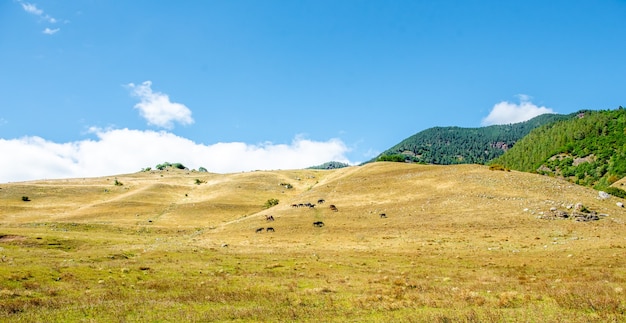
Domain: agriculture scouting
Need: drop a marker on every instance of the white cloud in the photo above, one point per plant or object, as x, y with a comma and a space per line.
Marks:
31, 8
121, 151
157, 108
507, 112
49, 31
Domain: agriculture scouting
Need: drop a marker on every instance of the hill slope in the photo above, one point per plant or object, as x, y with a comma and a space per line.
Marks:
455, 145
458, 243
588, 150
412, 195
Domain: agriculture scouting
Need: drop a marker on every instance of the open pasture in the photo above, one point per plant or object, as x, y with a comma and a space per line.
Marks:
456, 244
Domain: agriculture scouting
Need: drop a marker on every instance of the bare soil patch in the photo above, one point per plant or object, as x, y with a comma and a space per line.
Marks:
11, 237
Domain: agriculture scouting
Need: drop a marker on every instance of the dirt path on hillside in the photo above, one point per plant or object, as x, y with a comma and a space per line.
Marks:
338, 174
130, 192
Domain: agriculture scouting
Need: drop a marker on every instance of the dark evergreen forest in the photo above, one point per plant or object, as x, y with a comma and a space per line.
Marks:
589, 149
455, 145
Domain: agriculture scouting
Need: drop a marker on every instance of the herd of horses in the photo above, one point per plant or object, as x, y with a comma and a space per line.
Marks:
317, 224
308, 204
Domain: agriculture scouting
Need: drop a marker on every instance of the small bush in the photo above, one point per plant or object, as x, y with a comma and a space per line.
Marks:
179, 166
203, 170
398, 158
199, 181
117, 183
173, 165
584, 209
162, 166
286, 185
612, 179
496, 167
271, 202
616, 192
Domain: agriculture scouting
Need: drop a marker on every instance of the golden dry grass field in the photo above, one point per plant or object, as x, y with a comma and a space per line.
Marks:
458, 244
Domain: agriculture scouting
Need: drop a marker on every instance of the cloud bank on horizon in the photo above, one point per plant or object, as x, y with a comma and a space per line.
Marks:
120, 151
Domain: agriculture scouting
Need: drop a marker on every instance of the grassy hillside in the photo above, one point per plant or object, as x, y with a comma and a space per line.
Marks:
588, 150
458, 243
455, 145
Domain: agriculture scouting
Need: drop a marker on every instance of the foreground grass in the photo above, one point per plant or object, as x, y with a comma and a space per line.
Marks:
89, 273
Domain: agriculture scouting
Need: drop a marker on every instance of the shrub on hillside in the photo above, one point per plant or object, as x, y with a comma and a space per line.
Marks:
399, 158
616, 192
173, 165
179, 166
612, 179
269, 203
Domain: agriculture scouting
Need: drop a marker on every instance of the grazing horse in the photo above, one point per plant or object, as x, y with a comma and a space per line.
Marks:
383, 215
333, 208
318, 224
269, 218
270, 229
259, 230
320, 201
294, 205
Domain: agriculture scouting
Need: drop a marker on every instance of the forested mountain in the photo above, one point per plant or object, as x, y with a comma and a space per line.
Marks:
589, 149
455, 145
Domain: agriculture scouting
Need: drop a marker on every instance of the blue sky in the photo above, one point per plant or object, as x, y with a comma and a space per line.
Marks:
95, 88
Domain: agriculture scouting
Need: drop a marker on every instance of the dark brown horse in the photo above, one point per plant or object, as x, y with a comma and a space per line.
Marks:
318, 224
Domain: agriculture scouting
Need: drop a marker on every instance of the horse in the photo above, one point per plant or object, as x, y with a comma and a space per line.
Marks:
269, 218
333, 208
270, 229
383, 215
318, 224
320, 201
259, 230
